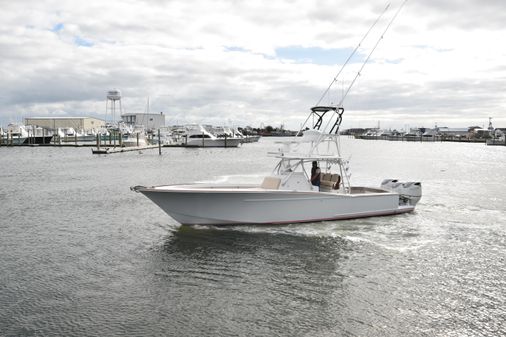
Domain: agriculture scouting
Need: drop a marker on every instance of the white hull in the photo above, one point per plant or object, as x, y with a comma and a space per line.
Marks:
218, 142
250, 139
212, 205
133, 142
7, 140
82, 138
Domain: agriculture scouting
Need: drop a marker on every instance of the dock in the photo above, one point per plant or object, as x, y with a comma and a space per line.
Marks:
422, 139
108, 150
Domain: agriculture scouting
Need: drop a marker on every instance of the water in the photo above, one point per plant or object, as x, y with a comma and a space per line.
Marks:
82, 255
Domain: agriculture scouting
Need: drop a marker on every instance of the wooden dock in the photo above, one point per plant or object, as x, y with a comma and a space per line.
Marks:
111, 150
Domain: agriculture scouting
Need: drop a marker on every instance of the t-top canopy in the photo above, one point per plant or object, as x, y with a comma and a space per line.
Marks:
323, 108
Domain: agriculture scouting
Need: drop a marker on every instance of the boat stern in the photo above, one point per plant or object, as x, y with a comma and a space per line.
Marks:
410, 192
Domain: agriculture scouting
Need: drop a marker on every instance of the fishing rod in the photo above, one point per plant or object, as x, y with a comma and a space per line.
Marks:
351, 55
358, 74
346, 63
372, 51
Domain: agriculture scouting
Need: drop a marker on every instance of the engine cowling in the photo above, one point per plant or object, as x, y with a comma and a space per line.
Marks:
409, 192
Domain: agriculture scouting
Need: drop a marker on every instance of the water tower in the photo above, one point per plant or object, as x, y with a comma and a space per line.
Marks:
113, 96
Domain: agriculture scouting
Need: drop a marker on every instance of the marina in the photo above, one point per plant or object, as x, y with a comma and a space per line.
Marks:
192, 136
139, 130
215, 196
473, 134
83, 255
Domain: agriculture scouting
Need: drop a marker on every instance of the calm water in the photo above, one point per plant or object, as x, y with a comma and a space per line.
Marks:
82, 255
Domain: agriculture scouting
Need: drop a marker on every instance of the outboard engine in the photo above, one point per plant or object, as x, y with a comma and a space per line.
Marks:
409, 192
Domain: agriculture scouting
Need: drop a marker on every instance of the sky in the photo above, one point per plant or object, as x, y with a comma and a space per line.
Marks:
256, 63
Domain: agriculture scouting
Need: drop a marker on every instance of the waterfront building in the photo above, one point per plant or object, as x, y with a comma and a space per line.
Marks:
150, 121
453, 132
77, 123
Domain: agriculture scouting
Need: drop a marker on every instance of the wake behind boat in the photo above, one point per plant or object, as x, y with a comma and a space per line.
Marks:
292, 193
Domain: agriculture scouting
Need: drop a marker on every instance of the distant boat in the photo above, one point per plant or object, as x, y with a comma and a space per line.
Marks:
135, 137
244, 138
18, 134
14, 134
70, 135
125, 135
198, 136
497, 141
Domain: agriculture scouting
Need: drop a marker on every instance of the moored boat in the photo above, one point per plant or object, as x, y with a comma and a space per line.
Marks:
198, 136
18, 134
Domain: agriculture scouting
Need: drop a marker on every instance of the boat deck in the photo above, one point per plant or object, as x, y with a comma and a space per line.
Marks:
355, 190
365, 190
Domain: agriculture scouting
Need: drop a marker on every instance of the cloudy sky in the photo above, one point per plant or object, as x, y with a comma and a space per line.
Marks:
255, 62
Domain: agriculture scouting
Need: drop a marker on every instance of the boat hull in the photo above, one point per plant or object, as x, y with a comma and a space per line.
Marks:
228, 206
13, 140
134, 142
39, 140
27, 140
219, 142
81, 138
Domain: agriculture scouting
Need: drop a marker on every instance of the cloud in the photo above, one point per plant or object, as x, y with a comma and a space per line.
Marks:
249, 63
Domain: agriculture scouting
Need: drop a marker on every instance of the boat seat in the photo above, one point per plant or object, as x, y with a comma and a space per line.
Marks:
330, 182
271, 183
336, 179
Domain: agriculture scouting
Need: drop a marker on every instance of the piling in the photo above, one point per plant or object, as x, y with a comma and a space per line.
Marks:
159, 144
